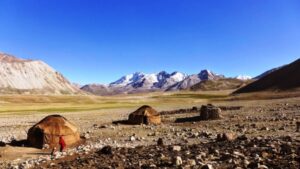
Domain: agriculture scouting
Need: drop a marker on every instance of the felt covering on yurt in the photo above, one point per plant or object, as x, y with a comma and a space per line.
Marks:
145, 115
48, 131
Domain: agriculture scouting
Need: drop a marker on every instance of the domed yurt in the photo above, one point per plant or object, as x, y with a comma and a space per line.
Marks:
48, 131
145, 115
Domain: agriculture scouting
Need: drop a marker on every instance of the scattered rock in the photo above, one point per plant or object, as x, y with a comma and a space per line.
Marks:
262, 167
160, 142
107, 150
265, 129
226, 137
178, 161
207, 166
191, 162
2, 144
253, 165
132, 138
87, 136
176, 148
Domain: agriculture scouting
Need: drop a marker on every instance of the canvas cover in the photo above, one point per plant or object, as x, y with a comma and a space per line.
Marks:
210, 112
145, 115
48, 130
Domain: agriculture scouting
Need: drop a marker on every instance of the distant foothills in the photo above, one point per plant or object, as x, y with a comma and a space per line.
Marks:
20, 76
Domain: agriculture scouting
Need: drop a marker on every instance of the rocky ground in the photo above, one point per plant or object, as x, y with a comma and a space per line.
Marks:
259, 135
242, 153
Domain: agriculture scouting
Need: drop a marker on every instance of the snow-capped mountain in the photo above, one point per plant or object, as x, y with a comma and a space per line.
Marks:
128, 79
166, 80
162, 81
148, 81
141, 82
137, 82
194, 79
31, 76
243, 77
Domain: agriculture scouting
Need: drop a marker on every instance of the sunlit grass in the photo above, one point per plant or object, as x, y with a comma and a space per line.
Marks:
41, 103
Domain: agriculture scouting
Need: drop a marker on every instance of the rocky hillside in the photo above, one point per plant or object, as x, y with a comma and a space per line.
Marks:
282, 79
191, 80
31, 77
220, 84
97, 89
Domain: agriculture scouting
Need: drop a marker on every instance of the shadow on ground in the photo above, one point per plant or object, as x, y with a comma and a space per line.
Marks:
19, 143
188, 119
123, 122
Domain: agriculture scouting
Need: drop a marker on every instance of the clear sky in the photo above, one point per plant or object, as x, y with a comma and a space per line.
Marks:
101, 40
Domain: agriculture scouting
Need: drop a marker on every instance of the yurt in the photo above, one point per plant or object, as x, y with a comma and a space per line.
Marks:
210, 112
48, 131
145, 115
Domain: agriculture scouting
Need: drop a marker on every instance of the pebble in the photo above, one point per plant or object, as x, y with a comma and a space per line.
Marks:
132, 138
191, 162
160, 142
176, 148
178, 161
207, 166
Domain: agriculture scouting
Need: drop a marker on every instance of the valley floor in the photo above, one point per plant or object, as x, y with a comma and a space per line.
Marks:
266, 131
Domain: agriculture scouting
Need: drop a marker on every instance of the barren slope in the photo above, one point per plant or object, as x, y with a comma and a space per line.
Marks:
29, 76
284, 79
220, 84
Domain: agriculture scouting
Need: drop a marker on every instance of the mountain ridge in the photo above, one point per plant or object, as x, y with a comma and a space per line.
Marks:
279, 79
141, 82
31, 76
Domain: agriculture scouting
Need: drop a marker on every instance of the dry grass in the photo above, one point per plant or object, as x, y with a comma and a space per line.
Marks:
42, 103
267, 95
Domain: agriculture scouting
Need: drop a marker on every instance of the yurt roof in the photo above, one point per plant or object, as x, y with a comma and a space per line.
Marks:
56, 125
142, 110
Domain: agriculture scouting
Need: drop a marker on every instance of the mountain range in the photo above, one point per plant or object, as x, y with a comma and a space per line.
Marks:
162, 81
23, 76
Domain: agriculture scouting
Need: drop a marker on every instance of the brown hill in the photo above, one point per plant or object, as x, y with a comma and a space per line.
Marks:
286, 78
220, 84
20, 76
97, 89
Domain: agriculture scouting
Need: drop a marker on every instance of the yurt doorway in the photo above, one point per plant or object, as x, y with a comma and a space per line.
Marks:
39, 138
145, 120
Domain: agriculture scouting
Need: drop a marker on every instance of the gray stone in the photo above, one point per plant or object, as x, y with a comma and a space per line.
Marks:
176, 148
178, 161
207, 166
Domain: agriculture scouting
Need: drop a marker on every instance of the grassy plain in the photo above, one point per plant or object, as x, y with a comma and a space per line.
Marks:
40, 103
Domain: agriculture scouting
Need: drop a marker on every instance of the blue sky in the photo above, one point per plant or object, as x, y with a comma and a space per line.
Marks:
101, 40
